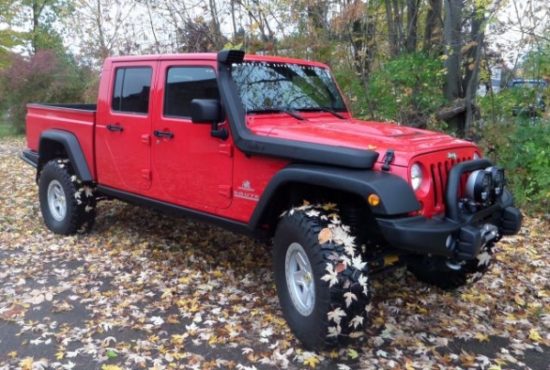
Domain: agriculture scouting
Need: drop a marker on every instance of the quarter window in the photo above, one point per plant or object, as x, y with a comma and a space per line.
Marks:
184, 84
132, 89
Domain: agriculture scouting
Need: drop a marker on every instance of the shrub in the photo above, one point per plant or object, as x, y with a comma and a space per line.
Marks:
406, 89
522, 146
44, 77
503, 105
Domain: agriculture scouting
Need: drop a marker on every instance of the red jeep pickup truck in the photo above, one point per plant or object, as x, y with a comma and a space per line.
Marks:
267, 146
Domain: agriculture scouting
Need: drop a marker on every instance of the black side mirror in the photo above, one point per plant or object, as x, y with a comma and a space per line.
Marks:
209, 111
206, 111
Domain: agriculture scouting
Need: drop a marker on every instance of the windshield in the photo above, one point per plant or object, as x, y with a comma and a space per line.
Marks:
266, 87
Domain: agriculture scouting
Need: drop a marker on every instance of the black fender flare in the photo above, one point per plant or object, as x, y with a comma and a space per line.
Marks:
396, 195
72, 147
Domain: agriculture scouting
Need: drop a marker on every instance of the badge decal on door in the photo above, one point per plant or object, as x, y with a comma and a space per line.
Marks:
246, 191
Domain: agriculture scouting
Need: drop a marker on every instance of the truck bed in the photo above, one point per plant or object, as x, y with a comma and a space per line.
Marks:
86, 107
79, 119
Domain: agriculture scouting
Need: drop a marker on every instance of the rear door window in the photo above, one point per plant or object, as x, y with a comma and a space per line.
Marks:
132, 89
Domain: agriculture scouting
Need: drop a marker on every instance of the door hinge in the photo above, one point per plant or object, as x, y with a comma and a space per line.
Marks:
225, 148
146, 174
225, 190
146, 139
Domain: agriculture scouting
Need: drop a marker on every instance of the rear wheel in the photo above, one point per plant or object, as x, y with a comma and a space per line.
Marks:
67, 204
321, 280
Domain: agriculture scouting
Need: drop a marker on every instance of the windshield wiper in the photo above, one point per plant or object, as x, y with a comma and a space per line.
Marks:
288, 111
322, 109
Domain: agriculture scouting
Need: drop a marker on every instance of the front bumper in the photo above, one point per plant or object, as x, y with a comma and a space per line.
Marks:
457, 235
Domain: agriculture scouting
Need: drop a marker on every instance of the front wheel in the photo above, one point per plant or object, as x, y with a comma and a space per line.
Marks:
322, 281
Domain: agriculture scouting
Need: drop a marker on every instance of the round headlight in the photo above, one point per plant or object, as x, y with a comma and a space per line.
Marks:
479, 186
416, 176
476, 155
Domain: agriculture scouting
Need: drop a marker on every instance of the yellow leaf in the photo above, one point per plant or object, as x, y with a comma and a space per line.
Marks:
352, 354
482, 337
494, 367
329, 206
12, 354
184, 280
325, 235
110, 367
519, 300
534, 335
213, 340
59, 355
311, 361
177, 339
166, 294
26, 363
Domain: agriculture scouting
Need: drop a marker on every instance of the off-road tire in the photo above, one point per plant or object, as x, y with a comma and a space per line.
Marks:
435, 271
80, 199
342, 291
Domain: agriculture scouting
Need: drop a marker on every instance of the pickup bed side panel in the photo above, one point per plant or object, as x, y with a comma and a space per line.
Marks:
78, 122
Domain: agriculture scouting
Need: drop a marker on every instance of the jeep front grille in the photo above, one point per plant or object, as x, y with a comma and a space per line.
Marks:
439, 173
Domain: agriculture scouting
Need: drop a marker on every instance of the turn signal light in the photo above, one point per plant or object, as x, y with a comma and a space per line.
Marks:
373, 200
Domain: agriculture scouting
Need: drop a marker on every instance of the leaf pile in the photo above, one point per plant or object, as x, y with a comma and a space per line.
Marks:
148, 291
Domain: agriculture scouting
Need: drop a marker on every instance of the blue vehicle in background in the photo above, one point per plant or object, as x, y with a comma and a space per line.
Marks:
531, 94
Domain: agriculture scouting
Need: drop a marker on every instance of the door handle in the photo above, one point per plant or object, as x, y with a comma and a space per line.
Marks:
114, 127
163, 134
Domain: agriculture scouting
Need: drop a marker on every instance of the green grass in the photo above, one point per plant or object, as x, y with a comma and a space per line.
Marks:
7, 131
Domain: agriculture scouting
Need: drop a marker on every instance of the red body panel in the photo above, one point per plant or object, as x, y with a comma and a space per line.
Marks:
192, 168
324, 128
198, 171
123, 158
78, 122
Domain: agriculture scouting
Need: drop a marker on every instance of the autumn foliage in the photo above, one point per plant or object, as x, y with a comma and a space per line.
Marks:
44, 77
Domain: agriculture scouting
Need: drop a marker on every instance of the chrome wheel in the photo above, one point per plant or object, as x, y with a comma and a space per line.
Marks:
299, 279
57, 201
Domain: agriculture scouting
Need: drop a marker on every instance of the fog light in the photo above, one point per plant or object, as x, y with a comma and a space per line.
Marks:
373, 200
479, 186
499, 181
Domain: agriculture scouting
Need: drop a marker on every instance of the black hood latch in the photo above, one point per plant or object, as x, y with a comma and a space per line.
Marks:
388, 159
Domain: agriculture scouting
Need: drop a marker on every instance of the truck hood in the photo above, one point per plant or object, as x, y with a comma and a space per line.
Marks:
407, 142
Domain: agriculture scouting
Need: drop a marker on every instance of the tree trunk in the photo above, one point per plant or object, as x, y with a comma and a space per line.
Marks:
434, 26
397, 13
104, 50
412, 21
37, 8
453, 40
392, 31
470, 55
471, 81
233, 22
217, 34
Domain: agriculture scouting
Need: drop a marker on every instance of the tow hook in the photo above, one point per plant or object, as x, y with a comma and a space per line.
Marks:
488, 233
